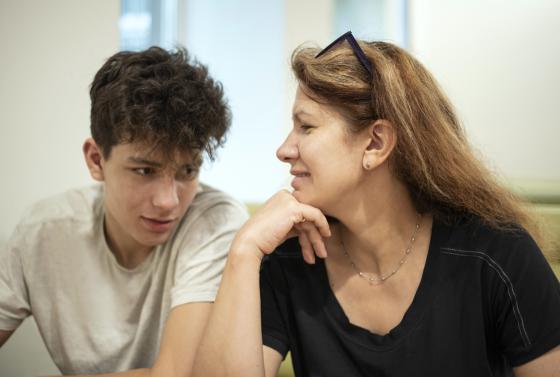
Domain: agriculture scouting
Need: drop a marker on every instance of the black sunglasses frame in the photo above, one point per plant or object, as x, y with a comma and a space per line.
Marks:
355, 48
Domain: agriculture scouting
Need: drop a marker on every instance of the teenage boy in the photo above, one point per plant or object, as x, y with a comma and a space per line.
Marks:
122, 275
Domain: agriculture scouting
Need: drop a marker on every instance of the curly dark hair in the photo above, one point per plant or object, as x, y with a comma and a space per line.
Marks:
160, 98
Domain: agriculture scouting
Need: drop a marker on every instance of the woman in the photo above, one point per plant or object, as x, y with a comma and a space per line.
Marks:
427, 266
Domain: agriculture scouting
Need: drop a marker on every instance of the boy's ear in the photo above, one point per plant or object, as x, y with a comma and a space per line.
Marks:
381, 139
94, 158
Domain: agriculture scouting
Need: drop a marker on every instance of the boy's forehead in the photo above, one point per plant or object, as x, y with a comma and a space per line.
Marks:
149, 152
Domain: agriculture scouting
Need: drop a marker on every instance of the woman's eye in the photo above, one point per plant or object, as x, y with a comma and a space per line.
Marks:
143, 171
305, 127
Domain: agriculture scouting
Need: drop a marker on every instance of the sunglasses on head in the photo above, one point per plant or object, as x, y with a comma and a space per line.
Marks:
355, 48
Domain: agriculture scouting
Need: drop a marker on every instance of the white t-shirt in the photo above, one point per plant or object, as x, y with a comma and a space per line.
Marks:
94, 315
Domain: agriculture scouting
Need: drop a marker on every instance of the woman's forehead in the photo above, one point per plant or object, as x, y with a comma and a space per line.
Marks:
306, 107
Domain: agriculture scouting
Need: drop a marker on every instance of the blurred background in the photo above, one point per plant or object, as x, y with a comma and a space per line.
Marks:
498, 61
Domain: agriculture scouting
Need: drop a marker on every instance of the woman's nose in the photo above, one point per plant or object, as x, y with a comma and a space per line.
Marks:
288, 150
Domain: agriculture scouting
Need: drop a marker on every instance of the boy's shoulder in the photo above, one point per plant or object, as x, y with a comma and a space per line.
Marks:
76, 205
211, 211
208, 197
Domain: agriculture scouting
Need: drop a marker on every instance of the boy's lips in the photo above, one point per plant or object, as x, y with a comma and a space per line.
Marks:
158, 225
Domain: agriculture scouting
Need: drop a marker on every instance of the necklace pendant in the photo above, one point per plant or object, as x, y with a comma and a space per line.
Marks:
377, 280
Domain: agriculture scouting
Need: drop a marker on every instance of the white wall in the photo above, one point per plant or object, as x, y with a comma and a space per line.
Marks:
50, 52
309, 22
242, 44
499, 61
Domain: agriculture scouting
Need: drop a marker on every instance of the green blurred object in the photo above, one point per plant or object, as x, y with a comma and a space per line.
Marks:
252, 207
536, 191
556, 268
544, 196
286, 369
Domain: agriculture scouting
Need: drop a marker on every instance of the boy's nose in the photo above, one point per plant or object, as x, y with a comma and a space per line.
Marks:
166, 195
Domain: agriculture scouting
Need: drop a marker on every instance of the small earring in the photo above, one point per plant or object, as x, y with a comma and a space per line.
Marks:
366, 166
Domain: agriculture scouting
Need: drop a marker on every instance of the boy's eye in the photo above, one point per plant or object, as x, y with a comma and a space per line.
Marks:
143, 171
187, 172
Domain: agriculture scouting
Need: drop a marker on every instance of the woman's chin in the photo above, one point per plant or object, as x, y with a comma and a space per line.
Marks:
301, 197
307, 199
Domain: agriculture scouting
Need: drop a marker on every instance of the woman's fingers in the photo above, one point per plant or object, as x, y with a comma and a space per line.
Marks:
312, 226
291, 234
306, 248
282, 217
313, 238
304, 213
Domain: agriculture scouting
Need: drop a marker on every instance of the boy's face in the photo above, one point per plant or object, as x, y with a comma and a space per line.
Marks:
145, 195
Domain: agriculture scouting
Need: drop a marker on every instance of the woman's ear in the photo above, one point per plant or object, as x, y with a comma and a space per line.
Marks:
94, 158
382, 138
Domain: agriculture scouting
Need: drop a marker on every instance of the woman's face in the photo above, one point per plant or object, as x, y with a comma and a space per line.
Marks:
325, 158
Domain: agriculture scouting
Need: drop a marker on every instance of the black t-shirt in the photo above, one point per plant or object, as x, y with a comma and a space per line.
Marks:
487, 301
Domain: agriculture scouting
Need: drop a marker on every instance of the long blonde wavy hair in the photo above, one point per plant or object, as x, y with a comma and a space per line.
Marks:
432, 155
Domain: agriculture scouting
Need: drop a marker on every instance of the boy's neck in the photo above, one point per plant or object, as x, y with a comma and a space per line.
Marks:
129, 254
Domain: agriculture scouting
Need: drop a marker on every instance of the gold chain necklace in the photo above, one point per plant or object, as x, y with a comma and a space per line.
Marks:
376, 280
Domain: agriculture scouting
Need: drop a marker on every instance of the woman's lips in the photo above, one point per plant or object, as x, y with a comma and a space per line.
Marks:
298, 179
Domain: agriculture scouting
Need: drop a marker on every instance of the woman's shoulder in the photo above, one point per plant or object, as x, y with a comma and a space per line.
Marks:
286, 263
509, 252
286, 256
288, 249
517, 280
474, 234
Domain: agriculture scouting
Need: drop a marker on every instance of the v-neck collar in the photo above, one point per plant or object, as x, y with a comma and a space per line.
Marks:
413, 315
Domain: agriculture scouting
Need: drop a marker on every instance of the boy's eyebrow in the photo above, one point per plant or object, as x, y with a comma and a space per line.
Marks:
143, 161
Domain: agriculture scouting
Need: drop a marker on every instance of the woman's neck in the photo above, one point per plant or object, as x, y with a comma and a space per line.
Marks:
377, 231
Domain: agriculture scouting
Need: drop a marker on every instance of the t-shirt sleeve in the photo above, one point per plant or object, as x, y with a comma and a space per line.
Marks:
203, 251
526, 302
14, 300
274, 332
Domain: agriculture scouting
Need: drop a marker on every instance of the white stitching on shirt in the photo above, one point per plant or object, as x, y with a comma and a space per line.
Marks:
505, 279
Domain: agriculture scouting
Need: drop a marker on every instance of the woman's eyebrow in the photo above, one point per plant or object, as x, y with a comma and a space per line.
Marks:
299, 113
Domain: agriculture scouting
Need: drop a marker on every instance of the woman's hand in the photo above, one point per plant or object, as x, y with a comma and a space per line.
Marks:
280, 218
